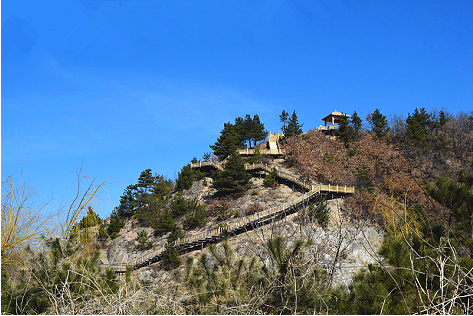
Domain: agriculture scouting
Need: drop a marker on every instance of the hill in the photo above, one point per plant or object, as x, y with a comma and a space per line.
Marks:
363, 221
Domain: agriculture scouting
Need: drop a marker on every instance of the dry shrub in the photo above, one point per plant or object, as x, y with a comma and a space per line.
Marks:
326, 160
214, 207
254, 208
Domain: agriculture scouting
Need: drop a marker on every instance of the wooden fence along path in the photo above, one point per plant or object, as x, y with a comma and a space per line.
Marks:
251, 151
241, 224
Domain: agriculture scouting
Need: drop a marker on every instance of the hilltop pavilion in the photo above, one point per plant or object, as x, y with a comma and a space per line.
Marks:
332, 121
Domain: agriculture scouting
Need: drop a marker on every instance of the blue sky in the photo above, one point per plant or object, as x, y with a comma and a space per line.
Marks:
122, 86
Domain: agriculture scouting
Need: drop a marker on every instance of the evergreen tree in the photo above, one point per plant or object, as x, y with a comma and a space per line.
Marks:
283, 119
170, 255
149, 193
257, 133
241, 129
248, 129
144, 188
184, 178
320, 212
116, 223
457, 196
178, 205
293, 127
419, 125
233, 178
379, 124
143, 242
206, 156
442, 119
165, 223
196, 214
228, 142
90, 220
355, 123
128, 200
345, 132
270, 178
161, 187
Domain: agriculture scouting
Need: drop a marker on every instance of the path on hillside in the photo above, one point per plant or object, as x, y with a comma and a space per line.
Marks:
241, 224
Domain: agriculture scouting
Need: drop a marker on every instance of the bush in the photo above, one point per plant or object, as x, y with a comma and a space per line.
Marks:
170, 255
116, 223
270, 179
223, 212
351, 152
254, 192
320, 212
143, 241
197, 215
179, 205
90, 220
254, 208
164, 223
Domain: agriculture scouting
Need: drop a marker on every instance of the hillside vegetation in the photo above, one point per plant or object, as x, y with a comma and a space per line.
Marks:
413, 180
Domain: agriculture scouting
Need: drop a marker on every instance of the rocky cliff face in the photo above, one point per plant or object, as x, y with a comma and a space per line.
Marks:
341, 249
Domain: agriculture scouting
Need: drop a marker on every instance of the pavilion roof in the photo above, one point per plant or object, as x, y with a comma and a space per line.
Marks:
335, 114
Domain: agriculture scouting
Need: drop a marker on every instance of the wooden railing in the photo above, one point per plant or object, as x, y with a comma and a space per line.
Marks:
238, 225
251, 151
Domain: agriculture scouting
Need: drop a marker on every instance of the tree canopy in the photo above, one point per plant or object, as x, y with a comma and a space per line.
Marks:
283, 119
149, 190
379, 124
228, 142
235, 136
293, 126
233, 178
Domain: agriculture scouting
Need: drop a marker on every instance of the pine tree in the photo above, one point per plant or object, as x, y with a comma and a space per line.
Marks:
355, 123
233, 178
128, 202
241, 129
143, 242
196, 214
293, 127
379, 124
270, 178
184, 178
116, 223
162, 186
144, 188
150, 191
90, 220
206, 156
345, 132
170, 255
228, 142
419, 125
283, 119
258, 133
458, 198
442, 119
248, 129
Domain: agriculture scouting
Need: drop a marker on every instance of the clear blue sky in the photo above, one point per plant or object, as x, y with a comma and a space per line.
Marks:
134, 84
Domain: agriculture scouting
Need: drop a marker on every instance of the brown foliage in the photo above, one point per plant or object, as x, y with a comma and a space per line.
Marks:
326, 160
391, 169
214, 207
254, 208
